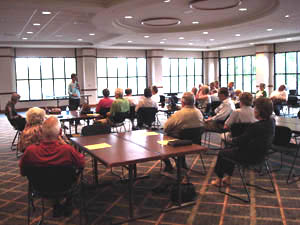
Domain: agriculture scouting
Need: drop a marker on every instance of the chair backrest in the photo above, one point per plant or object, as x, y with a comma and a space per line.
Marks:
293, 92
103, 111
162, 99
51, 180
119, 117
147, 115
292, 100
97, 128
215, 105
193, 134
131, 114
208, 108
18, 123
282, 135
237, 129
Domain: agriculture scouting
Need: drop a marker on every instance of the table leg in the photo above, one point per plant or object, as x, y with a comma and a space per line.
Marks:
179, 179
95, 164
130, 186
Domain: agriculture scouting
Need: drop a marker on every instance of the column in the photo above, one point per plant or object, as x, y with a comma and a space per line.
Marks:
210, 66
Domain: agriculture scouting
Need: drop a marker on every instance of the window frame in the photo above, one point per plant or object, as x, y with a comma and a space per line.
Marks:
28, 79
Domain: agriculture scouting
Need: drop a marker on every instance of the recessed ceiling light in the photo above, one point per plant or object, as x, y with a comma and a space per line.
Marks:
128, 17
129, 41
91, 34
162, 42
224, 47
24, 38
237, 35
289, 39
46, 13
29, 32
251, 43
242, 9
146, 36
167, 1
205, 32
36, 24
287, 16
164, 39
190, 43
195, 22
79, 39
269, 29
211, 39
181, 38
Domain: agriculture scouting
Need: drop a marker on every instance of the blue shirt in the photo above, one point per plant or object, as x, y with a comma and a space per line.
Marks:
74, 89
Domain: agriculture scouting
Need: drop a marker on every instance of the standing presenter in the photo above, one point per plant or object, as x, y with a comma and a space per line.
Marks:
74, 93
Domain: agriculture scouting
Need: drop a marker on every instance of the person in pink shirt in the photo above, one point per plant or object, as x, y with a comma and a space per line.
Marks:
105, 102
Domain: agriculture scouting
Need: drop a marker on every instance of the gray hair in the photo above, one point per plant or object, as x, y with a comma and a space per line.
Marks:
188, 98
35, 116
119, 92
51, 128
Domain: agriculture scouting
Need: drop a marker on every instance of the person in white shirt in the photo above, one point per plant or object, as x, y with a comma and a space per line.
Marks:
146, 101
278, 97
245, 114
216, 123
155, 96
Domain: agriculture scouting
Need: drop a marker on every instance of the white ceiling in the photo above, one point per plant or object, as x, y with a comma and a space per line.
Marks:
71, 22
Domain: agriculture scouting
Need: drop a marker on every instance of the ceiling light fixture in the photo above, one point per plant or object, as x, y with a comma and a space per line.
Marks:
160, 22
289, 39
181, 38
24, 38
129, 41
164, 39
195, 22
198, 4
243, 9
128, 17
29, 32
91, 34
162, 42
146, 36
237, 35
287, 16
36, 24
211, 39
190, 43
205, 32
269, 29
251, 43
46, 13
79, 39
167, 1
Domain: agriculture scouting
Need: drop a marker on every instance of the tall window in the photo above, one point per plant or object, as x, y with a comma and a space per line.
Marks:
181, 75
287, 67
43, 78
241, 70
122, 73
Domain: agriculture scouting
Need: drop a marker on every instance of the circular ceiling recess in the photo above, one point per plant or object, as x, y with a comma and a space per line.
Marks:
214, 4
160, 22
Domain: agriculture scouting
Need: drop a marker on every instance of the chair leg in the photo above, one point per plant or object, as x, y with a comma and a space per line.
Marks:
288, 181
43, 211
203, 165
13, 144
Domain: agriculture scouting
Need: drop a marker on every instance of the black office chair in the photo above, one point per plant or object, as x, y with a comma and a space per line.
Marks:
292, 103
146, 116
283, 145
53, 182
118, 121
214, 105
132, 115
261, 145
96, 128
193, 134
103, 111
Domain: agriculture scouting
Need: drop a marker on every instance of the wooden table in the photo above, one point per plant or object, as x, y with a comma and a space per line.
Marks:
66, 97
130, 148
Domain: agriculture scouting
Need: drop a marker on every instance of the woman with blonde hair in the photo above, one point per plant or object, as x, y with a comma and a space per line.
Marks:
32, 133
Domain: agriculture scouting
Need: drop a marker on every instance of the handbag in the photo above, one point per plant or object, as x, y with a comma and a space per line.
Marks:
180, 142
188, 192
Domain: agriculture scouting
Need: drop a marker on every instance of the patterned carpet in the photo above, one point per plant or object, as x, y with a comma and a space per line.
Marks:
108, 203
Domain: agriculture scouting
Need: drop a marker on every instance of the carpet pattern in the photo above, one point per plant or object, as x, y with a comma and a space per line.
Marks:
109, 203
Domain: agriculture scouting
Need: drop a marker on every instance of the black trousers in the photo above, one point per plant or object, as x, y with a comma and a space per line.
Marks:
277, 107
74, 103
224, 166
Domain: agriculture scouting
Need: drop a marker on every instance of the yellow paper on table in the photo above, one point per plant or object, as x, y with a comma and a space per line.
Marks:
97, 146
165, 142
150, 133
93, 114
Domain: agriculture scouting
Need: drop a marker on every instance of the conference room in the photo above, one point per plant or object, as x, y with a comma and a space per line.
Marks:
176, 46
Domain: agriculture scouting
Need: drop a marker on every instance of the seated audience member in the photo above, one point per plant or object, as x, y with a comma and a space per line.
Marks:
105, 102
231, 93
146, 100
50, 152
261, 131
216, 123
188, 117
278, 97
212, 88
245, 114
261, 92
85, 109
132, 101
204, 99
119, 105
14, 118
32, 134
217, 85
155, 96
236, 99
199, 93
194, 91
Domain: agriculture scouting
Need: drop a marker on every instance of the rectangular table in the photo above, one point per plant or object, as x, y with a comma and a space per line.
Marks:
292, 123
130, 148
